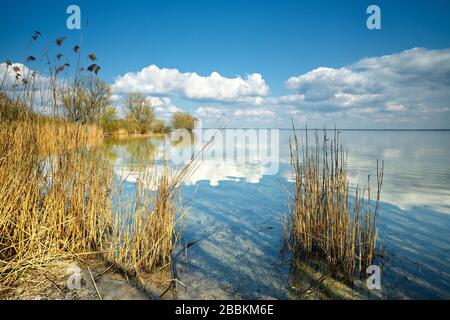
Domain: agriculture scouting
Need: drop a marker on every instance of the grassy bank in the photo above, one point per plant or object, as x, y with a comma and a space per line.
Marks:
58, 201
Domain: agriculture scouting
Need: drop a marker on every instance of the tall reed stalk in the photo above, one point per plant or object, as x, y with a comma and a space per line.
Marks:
51, 204
324, 222
149, 222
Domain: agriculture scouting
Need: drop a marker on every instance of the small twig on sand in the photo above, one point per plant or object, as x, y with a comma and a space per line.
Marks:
230, 290
95, 285
187, 246
172, 281
104, 271
56, 285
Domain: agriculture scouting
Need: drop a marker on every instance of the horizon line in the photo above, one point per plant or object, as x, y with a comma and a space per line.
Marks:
345, 129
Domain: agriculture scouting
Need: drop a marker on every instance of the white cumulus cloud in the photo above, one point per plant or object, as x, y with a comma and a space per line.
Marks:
163, 106
210, 112
394, 87
252, 112
190, 85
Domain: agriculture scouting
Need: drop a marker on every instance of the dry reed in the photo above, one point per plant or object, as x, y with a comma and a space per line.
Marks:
57, 192
58, 199
50, 204
323, 222
148, 223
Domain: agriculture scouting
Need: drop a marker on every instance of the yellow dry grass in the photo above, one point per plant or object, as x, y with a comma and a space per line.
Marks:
58, 199
50, 204
323, 221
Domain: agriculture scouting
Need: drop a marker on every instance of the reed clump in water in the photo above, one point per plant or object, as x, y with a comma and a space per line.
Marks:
323, 222
148, 223
146, 226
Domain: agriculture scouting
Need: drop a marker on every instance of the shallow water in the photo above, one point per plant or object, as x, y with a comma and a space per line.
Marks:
237, 207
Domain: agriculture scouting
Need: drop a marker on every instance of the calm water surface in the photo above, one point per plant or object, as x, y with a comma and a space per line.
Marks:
236, 212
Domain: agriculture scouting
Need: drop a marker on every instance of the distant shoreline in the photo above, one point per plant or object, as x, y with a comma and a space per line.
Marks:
303, 129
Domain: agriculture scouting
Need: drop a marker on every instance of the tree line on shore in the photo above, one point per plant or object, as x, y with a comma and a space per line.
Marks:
90, 102
140, 118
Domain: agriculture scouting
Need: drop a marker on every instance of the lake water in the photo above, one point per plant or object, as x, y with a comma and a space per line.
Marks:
237, 207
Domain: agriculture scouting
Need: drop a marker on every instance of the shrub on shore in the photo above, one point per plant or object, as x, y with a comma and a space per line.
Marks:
86, 101
140, 111
184, 120
159, 126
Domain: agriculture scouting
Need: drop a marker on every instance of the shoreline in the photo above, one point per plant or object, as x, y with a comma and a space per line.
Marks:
102, 280
90, 279
134, 135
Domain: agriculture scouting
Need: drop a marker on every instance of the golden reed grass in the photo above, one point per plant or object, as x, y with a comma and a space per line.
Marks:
58, 195
50, 204
146, 227
58, 199
323, 221
148, 223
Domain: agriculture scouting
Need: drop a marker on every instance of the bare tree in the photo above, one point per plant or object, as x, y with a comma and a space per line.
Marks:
140, 111
87, 101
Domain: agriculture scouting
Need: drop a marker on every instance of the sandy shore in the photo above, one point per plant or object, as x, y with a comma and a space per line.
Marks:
91, 279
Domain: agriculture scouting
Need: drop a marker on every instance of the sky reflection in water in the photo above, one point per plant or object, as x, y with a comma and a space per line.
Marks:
236, 210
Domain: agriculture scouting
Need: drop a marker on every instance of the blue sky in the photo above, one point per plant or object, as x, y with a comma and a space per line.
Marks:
309, 56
